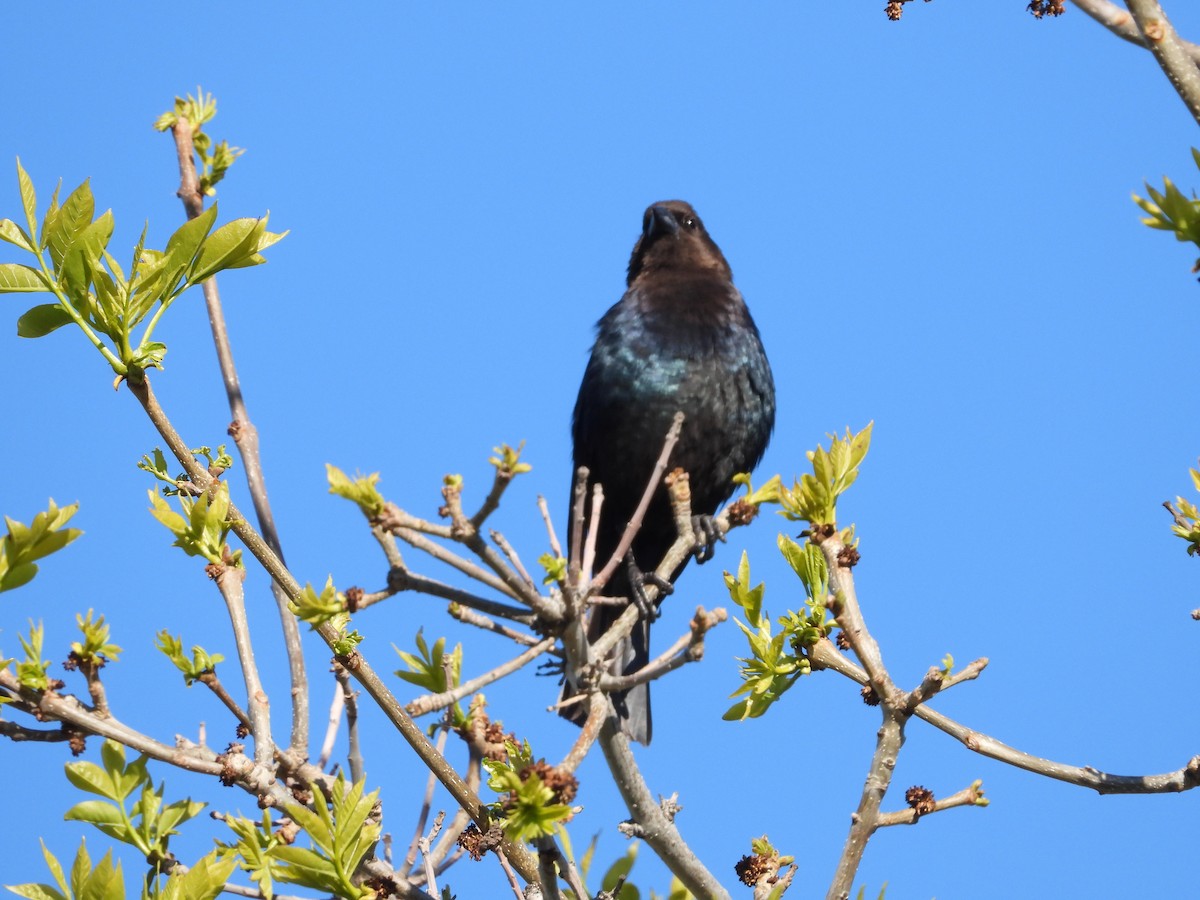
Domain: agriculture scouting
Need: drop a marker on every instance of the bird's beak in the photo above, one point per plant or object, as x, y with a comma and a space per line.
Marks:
659, 220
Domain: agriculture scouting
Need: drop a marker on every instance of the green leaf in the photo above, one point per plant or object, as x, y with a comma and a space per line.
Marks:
87, 776
28, 197
41, 320
70, 221
360, 490
108, 818
13, 233
16, 278
23, 545
185, 242
206, 878
227, 246
55, 869
36, 891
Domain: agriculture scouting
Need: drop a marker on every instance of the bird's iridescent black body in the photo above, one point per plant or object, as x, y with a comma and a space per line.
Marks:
680, 339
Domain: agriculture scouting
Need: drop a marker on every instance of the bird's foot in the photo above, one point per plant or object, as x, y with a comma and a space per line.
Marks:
706, 534
637, 583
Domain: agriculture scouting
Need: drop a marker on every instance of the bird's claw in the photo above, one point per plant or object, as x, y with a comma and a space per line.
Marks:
706, 534
638, 581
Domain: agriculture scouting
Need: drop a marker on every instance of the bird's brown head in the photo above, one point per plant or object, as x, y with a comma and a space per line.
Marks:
674, 240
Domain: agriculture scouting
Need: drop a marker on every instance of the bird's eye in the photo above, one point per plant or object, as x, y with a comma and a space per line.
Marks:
689, 222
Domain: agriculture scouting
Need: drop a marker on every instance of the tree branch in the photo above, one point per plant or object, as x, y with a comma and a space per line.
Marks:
655, 828
1170, 52
1121, 23
230, 581
823, 655
245, 436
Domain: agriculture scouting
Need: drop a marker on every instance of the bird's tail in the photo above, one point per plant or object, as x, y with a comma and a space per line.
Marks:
631, 654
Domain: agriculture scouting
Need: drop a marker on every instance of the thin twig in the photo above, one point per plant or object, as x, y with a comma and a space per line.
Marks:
410, 858
687, 648
423, 846
18, 733
354, 757
231, 581
968, 796
555, 548
245, 436
48, 705
548, 857
635, 522
894, 707
336, 706
507, 549
210, 680
433, 702
824, 655
587, 734
512, 876
403, 580
470, 617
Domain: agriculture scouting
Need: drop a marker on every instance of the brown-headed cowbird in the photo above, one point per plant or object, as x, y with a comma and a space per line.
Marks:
680, 339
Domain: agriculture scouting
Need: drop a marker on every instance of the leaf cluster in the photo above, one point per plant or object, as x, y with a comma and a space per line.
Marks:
32, 671
93, 290
201, 662
329, 606
203, 527
813, 497
147, 824
528, 810
778, 659
341, 838
214, 160
204, 880
1170, 210
360, 490
508, 460
95, 649
434, 670
1187, 518
25, 544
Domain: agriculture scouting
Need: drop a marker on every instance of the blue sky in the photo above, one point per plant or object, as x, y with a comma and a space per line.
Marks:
931, 222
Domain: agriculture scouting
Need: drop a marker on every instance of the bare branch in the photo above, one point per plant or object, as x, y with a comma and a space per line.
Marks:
336, 706
410, 858
245, 436
656, 828
587, 734
555, 547
688, 648
631, 529
824, 655
354, 758
210, 680
1120, 23
968, 796
230, 581
18, 733
470, 617
1169, 50
403, 580
511, 554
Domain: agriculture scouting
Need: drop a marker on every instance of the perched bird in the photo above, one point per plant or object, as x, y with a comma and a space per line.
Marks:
680, 339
